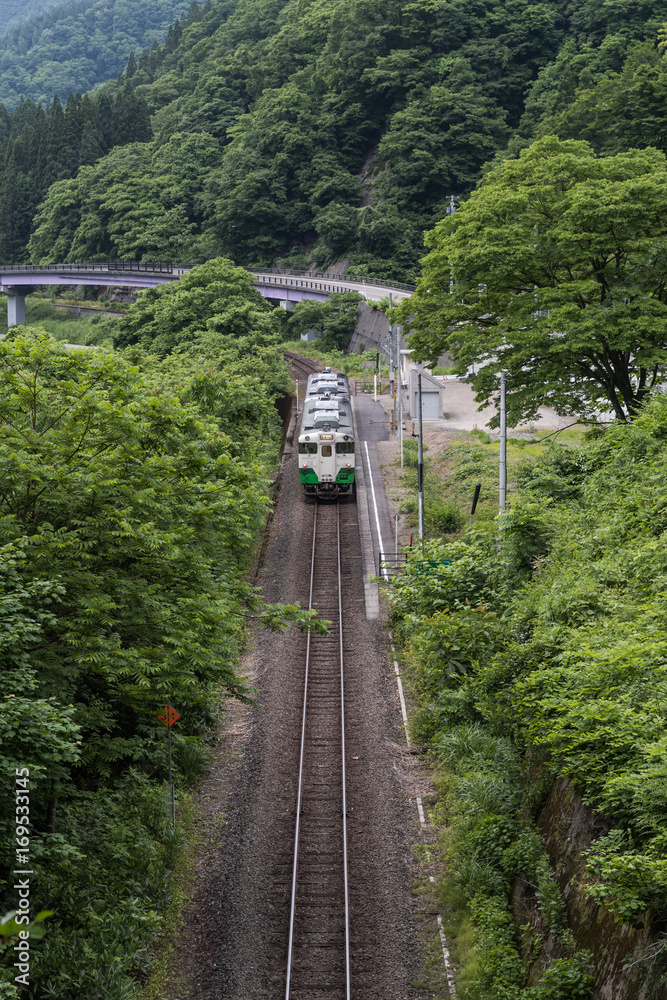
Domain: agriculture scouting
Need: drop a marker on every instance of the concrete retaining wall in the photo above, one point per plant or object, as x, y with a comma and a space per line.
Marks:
371, 330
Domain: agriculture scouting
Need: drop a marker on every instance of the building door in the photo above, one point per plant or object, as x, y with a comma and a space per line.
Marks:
430, 405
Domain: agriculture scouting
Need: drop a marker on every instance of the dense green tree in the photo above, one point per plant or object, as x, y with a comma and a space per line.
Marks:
627, 18
436, 146
57, 222
137, 203
89, 448
5, 124
333, 321
554, 271
13, 225
90, 148
216, 297
579, 64
623, 110
131, 67
566, 667
54, 152
70, 141
17, 11
104, 108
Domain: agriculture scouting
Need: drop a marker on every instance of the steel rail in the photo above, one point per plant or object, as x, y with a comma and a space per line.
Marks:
290, 945
342, 730
307, 365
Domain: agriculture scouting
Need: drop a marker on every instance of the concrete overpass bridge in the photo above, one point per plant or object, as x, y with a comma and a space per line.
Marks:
285, 287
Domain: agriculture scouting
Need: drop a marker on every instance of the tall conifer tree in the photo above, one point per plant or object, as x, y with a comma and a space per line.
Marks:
15, 227
90, 148
53, 157
131, 117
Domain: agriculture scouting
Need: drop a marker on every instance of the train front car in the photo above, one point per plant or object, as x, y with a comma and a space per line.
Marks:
326, 448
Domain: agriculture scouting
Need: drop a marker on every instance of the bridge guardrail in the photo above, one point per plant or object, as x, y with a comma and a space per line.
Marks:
403, 286
105, 266
282, 281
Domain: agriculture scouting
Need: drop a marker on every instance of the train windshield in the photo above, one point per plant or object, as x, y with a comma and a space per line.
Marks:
307, 448
345, 447
326, 451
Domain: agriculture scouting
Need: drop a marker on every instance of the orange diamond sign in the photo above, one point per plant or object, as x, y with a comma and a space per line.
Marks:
169, 717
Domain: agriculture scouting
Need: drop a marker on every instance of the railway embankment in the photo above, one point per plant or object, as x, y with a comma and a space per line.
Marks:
532, 673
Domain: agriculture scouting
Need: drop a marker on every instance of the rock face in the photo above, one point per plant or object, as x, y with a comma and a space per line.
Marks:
115, 293
569, 827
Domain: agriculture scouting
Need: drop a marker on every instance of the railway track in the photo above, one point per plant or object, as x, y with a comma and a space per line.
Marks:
318, 952
306, 365
76, 310
267, 916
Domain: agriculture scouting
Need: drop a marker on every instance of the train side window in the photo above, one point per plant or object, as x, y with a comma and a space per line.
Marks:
307, 448
345, 447
326, 451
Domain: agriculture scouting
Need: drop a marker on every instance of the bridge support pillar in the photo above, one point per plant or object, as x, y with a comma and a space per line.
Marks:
15, 302
287, 305
15, 309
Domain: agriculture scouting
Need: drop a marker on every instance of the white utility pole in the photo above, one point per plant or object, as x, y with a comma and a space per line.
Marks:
392, 370
420, 459
503, 446
399, 376
400, 424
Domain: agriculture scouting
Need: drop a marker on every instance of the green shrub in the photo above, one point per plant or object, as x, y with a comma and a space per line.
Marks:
443, 516
565, 979
501, 973
481, 435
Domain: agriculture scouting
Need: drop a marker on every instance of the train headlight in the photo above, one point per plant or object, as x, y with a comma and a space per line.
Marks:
349, 465
305, 465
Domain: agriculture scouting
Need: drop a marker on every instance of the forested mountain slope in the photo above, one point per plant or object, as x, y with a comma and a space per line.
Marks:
77, 45
308, 131
15, 12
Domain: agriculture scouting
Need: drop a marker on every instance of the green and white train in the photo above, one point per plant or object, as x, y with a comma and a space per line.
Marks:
326, 438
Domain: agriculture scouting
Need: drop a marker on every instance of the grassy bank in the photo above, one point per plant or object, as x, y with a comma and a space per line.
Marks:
87, 329
538, 660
